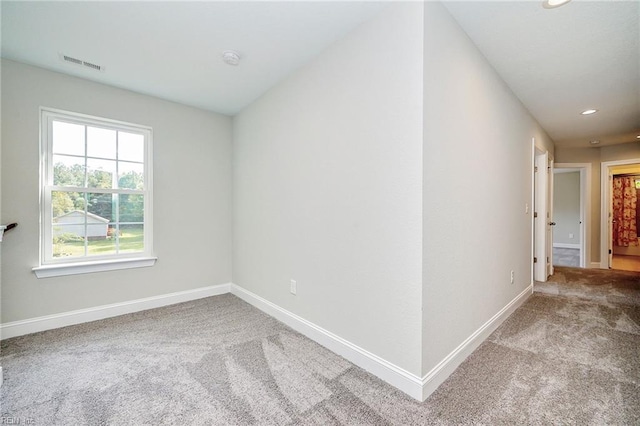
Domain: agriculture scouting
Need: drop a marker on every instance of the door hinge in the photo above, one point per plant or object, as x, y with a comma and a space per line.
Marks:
535, 169
535, 260
547, 260
535, 214
609, 251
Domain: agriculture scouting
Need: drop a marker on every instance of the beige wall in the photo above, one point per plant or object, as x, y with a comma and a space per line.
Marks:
596, 156
192, 186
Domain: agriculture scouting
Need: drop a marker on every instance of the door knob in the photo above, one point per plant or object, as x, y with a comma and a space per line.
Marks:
552, 223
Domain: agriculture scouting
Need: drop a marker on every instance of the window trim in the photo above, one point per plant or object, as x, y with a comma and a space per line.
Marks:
61, 269
68, 266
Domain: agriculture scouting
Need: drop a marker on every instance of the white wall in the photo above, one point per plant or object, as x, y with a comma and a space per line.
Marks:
566, 208
327, 189
477, 180
192, 184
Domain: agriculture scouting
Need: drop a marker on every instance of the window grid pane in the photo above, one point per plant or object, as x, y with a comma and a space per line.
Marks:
68, 138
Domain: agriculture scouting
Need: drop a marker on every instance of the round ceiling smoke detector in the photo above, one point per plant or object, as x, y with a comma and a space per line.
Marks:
231, 57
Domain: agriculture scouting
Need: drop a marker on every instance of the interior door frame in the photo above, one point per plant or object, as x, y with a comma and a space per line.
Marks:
540, 202
549, 227
585, 208
606, 247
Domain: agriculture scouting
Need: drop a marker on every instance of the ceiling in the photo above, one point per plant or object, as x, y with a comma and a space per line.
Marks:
173, 50
559, 62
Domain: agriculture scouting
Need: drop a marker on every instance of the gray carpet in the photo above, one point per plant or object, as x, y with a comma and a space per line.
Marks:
569, 357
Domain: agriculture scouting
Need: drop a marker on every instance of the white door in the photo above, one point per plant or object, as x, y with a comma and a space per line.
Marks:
550, 223
540, 222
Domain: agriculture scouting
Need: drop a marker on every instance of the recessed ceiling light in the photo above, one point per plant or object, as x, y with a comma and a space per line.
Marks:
589, 111
594, 142
231, 57
552, 4
638, 137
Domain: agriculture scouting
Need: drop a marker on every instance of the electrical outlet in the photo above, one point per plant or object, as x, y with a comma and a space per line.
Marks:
512, 277
294, 287
526, 208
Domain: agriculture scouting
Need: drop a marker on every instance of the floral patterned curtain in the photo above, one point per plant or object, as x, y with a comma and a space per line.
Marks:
625, 233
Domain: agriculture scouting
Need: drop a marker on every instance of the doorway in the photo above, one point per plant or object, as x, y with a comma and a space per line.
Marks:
571, 207
621, 215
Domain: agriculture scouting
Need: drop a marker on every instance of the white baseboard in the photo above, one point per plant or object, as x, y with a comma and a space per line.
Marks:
34, 325
440, 372
1, 377
417, 387
566, 245
407, 382
414, 386
597, 265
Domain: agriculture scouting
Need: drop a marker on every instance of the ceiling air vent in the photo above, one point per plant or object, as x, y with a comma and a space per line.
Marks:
80, 62
70, 59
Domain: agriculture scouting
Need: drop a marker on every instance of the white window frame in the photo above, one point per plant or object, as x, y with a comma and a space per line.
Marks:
50, 266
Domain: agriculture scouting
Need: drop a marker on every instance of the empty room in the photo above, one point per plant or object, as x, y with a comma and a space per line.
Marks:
316, 213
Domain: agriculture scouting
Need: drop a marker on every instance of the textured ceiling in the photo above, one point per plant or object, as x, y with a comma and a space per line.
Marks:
558, 62
562, 61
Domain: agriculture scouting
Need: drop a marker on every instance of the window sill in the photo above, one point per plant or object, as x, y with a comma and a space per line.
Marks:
47, 271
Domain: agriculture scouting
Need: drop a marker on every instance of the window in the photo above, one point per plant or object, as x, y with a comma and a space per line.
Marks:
96, 194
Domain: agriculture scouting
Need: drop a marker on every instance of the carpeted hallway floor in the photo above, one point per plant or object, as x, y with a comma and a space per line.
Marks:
569, 355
